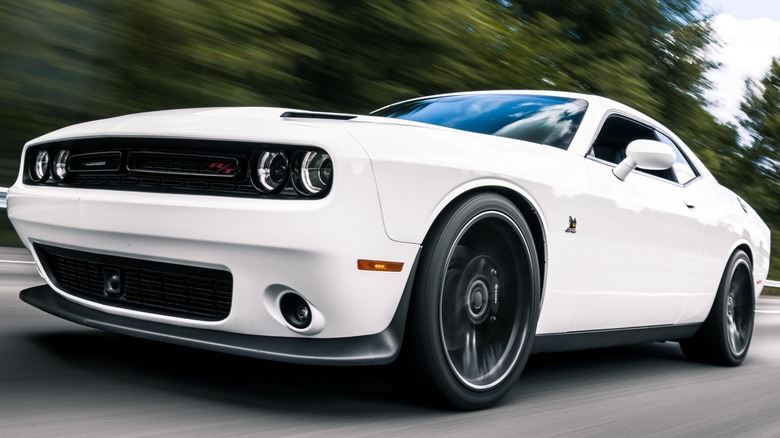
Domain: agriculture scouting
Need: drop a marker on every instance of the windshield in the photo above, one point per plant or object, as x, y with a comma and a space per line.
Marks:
546, 120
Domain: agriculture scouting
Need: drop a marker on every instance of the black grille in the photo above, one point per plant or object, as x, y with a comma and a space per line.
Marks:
162, 288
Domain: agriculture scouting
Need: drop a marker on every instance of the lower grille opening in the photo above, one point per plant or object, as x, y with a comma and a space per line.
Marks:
154, 287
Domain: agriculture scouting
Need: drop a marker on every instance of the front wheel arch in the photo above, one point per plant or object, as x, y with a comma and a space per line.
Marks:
527, 208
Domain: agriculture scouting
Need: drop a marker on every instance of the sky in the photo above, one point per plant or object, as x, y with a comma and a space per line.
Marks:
749, 35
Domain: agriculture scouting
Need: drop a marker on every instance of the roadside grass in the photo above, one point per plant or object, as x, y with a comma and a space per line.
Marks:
770, 291
8, 236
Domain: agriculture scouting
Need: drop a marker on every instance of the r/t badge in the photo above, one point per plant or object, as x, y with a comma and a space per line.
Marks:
572, 225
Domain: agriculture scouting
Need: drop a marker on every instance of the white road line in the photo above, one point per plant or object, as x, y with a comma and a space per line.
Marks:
775, 312
772, 283
17, 262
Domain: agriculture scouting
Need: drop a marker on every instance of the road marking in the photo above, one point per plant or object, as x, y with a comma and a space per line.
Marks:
768, 311
17, 262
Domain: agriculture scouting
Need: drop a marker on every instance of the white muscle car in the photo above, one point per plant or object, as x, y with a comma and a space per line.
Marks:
453, 235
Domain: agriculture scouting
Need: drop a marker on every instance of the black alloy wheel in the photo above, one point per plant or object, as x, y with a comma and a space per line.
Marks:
475, 305
725, 336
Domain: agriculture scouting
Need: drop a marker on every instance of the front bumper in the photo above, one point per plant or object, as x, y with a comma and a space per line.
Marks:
378, 349
269, 246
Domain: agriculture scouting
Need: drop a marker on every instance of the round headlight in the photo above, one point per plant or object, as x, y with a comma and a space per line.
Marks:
314, 172
60, 165
39, 168
272, 171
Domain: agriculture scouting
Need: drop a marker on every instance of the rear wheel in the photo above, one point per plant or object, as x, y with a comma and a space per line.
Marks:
474, 309
725, 336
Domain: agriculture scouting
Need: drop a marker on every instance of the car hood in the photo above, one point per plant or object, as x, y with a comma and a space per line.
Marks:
230, 123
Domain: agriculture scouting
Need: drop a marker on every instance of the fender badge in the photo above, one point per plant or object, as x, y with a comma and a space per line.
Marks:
572, 225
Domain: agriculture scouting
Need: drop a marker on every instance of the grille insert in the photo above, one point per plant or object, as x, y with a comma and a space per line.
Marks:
183, 164
161, 288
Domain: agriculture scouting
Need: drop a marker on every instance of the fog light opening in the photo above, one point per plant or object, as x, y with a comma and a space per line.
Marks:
304, 313
295, 310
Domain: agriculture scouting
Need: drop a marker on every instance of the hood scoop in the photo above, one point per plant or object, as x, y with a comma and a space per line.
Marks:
309, 115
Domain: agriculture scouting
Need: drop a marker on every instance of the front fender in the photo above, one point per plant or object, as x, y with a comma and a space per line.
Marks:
419, 172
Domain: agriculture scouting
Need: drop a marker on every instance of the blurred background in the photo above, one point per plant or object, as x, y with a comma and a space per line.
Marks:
64, 62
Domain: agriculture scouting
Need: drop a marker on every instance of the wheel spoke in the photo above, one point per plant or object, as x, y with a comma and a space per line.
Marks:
454, 301
490, 358
734, 337
454, 307
470, 361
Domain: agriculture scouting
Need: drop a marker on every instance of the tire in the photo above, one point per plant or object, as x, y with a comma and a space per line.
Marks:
724, 338
474, 306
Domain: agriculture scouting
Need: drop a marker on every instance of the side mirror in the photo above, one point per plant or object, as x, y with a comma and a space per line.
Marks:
647, 154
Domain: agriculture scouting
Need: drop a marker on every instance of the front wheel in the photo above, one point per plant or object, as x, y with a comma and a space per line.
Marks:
475, 305
725, 336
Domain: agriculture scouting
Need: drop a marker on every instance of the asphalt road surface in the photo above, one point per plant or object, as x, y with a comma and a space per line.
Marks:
60, 379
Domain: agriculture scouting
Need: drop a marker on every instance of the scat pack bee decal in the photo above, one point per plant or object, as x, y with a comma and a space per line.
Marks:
572, 225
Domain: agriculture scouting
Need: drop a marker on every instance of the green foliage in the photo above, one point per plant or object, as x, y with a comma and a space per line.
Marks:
758, 170
774, 263
75, 60
762, 121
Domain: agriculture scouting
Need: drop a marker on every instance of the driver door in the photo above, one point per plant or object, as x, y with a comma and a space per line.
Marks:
642, 241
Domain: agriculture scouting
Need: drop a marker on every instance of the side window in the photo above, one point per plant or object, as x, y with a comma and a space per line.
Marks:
614, 137
618, 131
682, 167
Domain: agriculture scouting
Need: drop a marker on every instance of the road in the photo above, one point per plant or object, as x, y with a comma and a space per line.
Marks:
61, 379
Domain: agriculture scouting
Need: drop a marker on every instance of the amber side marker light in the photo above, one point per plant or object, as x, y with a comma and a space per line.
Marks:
378, 265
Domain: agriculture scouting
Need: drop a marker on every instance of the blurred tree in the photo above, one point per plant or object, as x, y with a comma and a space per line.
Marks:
759, 172
649, 53
48, 54
372, 53
184, 53
762, 122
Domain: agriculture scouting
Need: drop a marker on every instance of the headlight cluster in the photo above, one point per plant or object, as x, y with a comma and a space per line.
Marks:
311, 171
41, 166
273, 171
